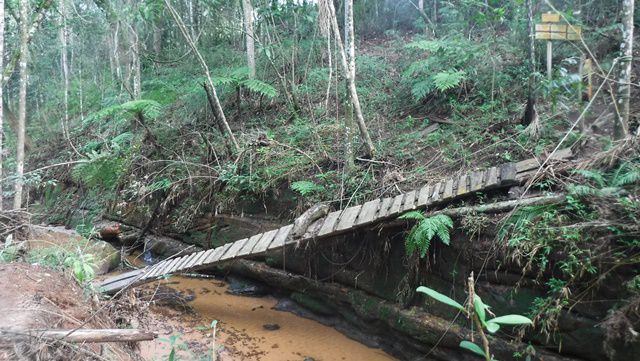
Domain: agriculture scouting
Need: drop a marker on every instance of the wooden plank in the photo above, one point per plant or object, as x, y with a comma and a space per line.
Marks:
234, 249
409, 201
158, 270
384, 207
265, 241
348, 218
329, 224
435, 196
396, 205
217, 253
191, 260
207, 254
313, 229
463, 185
93, 335
477, 180
196, 260
179, 263
423, 196
281, 236
508, 174
368, 212
248, 247
170, 266
492, 177
448, 189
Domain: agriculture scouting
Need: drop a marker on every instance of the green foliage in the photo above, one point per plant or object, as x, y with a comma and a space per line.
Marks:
81, 264
420, 236
446, 80
239, 77
480, 310
306, 188
99, 170
148, 109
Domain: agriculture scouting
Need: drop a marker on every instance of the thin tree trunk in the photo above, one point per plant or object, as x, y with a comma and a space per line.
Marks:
17, 56
350, 72
624, 82
247, 9
1, 95
218, 107
22, 102
135, 62
63, 65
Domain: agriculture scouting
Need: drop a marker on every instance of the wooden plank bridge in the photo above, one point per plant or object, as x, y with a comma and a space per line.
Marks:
337, 222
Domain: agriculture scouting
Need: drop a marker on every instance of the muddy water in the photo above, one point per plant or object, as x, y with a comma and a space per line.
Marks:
241, 329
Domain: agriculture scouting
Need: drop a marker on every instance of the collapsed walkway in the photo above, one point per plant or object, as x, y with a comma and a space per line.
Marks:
338, 222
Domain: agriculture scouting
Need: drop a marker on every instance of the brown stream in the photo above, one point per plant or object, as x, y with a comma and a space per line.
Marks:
240, 329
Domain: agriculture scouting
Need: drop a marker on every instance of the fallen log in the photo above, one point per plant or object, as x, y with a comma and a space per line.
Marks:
86, 335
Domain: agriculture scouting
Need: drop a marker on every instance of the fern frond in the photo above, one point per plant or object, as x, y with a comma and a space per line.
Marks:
422, 88
306, 188
582, 190
260, 87
626, 174
450, 79
592, 175
417, 215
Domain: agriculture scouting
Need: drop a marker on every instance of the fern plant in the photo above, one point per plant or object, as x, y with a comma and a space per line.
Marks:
423, 232
149, 109
239, 78
306, 188
99, 170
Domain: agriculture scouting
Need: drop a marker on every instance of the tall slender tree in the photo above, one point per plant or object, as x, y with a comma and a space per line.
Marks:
1, 95
247, 10
211, 88
624, 80
22, 101
349, 66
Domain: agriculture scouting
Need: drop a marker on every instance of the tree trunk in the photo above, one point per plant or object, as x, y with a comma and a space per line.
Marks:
17, 56
349, 69
530, 114
135, 62
22, 102
1, 95
247, 9
63, 65
624, 82
218, 107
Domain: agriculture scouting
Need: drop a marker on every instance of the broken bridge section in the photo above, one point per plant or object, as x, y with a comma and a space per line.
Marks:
338, 222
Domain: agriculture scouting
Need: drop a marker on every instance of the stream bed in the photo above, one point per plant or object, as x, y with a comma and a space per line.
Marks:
249, 328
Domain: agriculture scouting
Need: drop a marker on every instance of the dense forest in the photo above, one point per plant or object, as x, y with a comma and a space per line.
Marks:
135, 132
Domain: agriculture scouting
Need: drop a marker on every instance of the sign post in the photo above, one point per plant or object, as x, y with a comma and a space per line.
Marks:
551, 29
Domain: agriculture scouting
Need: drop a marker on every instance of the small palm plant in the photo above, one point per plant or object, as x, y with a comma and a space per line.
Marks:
477, 311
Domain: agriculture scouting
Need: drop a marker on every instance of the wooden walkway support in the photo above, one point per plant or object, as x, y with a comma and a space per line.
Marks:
341, 221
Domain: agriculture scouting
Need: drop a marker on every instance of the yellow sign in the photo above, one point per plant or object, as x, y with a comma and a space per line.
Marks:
550, 18
558, 32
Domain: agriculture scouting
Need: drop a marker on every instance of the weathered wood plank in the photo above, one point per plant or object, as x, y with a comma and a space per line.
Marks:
191, 260
448, 189
159, 269
329, 224
396, 205
409, 202
435, 196
265, 241
281, 236
492, 178
234, 249
348, 218
179, 264
217, 253
423, 196
384, 207
368, 212
508, 174
93, 335
195, 260
463, 185
169, 267
126, 276
251, 243
477, 180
